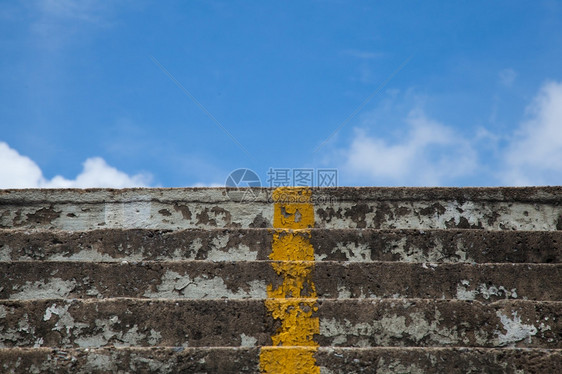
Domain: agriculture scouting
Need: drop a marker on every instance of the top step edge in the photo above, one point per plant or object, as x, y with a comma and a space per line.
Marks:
543, 194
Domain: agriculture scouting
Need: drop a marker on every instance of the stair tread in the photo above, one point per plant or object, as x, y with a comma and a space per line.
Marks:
478, 246
346, 322
493, 208
229, 360
249, 279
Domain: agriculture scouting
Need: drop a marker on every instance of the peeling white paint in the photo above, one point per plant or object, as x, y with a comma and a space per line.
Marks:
464, 293
16, 333
5, 253
354, 252
415, 254
64, 320
38, 343
91, 255
49, 312
128, 338
79, 210
515, 330
543, 327
220, 241
461, 252
196, 245
131, 338
343, 292
54, 288
386, 329
154, 337
247, 341
320, 257
175, 285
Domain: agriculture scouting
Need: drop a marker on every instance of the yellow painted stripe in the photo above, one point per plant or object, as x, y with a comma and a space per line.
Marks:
294, 301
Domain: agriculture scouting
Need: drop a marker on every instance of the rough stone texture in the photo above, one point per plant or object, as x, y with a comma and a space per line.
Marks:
484, 283
245, 360
216, 323
25, 280
130, 322
407, 280
193, 279
430, 323
381, 208
438, 360
109, 245
130, 360
443, 246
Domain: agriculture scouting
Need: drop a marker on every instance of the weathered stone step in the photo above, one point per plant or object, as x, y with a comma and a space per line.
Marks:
349, 323
249, 279
226, 360
480, 246
537, 208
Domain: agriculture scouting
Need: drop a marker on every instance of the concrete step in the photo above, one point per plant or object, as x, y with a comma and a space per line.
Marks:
169, 280
537, 208
225, 360
246, 323
28, 280
356, 245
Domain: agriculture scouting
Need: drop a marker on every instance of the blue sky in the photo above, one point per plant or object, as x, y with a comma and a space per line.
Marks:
477, 102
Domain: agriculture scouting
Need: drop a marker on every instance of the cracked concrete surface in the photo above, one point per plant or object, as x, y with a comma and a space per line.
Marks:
416, 280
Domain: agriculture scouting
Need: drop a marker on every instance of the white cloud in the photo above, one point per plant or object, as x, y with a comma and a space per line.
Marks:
17, 171
429, 154
534, 155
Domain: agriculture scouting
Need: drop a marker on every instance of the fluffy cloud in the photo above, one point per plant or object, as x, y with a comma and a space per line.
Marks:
534, 155
17, 171
428, 154
432, 154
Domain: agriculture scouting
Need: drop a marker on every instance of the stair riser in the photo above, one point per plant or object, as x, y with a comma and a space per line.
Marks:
495, 209
243, 280
246, 360
449, 246
352, 323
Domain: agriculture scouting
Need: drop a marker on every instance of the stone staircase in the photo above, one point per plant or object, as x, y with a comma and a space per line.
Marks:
344, 280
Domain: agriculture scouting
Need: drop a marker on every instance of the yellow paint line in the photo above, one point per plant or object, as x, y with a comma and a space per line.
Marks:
294, 301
